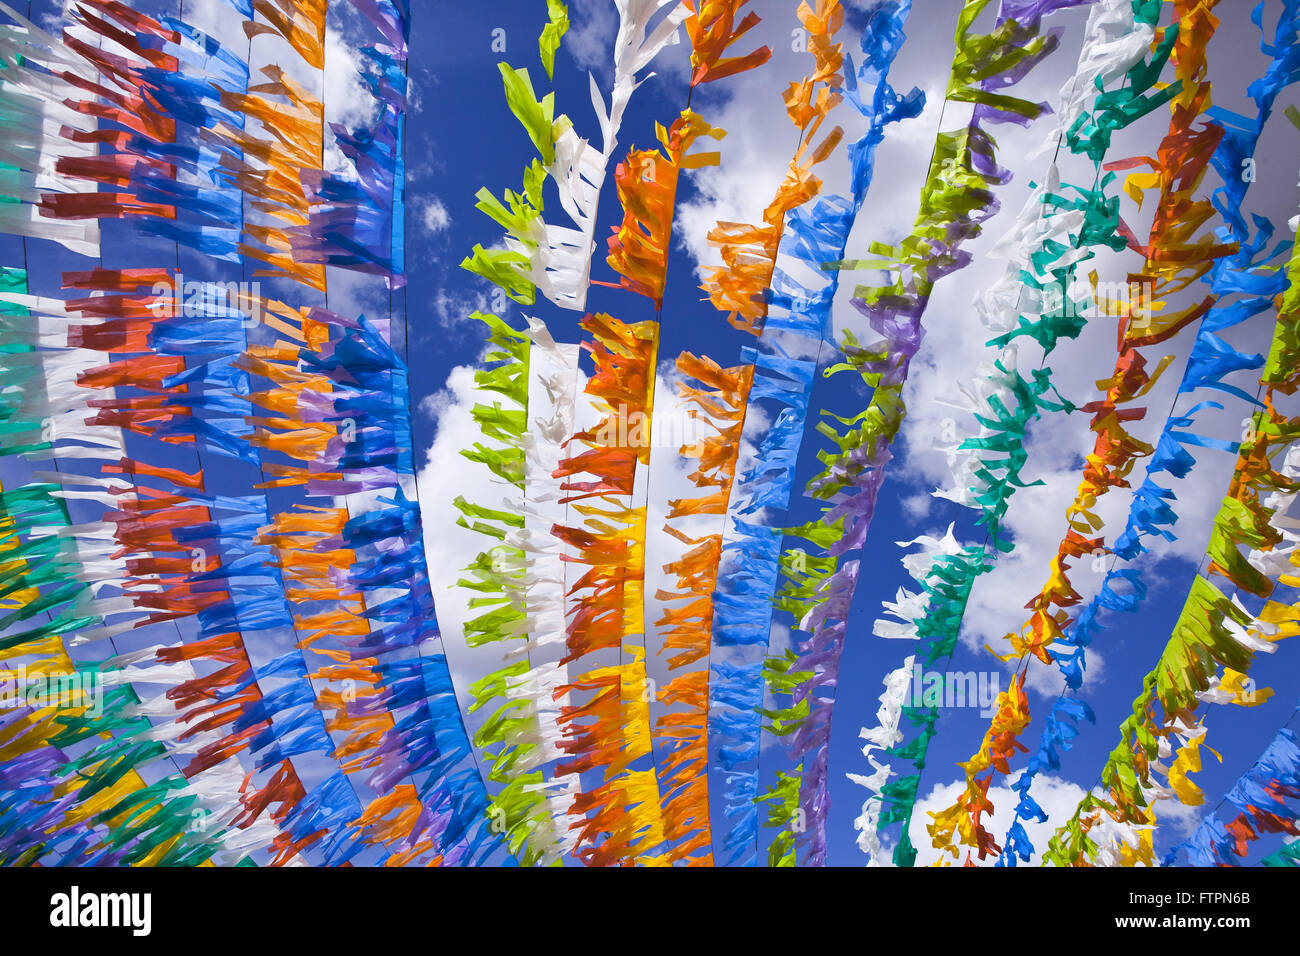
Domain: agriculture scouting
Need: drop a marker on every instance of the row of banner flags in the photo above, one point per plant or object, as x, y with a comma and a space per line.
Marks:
218, 544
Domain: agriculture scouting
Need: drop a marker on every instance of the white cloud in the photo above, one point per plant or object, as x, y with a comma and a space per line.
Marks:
955, 344
1056, 445
454, 308
215, 18
1057, 797
590, 40
1049, 681
436, 404
751, 109
358, 293
917, 506
669, 479
347, 98
433, 214
445, 476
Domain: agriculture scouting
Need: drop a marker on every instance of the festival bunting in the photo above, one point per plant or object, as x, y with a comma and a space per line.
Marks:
224, 589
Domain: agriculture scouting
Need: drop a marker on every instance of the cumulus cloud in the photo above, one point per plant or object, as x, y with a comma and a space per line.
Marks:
668, 479
357, 293
436, 404
347, 98
339, 85
1056, 796
453, 308
1056, 447
955, 343
917, 506
590, 40
433, 214
214, 17
1049, 681
444, 477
